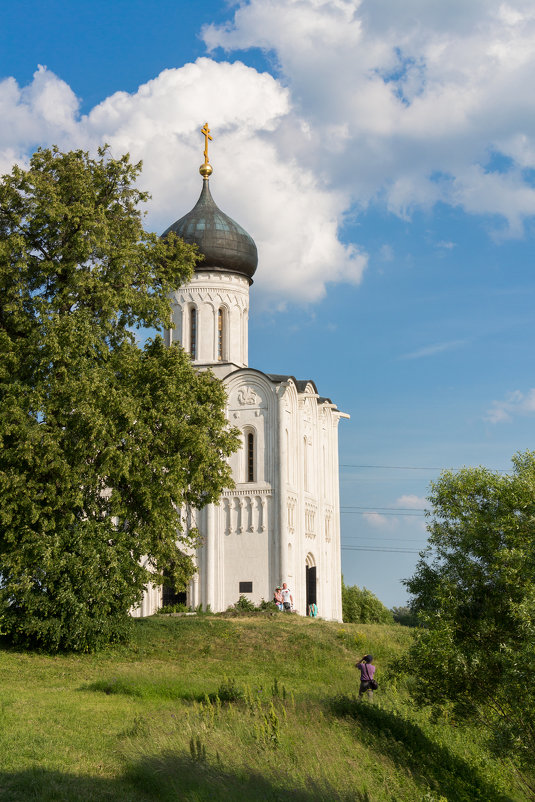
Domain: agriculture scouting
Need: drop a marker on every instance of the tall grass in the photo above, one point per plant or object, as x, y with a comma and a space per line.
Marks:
245, 709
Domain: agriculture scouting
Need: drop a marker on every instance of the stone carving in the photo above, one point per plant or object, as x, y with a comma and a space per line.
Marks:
245, 513
310, 521
247, 396
328, 527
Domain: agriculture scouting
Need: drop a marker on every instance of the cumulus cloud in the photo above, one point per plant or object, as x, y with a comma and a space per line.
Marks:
379, 521
412, 520
43, 112
516, 403
372, 101
418, 97
411, 501
292, 216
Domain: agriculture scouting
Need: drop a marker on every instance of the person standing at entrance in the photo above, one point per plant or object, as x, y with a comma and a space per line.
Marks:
367, 670
287, 600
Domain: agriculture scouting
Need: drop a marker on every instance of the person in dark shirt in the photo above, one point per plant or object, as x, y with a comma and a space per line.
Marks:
367, 670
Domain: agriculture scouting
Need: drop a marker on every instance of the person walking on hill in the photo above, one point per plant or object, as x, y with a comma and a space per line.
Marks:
367, 670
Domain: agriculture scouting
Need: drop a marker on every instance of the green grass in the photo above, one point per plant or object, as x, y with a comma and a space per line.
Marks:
212, 708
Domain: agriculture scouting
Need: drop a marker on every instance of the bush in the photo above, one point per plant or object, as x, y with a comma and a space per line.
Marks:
228, 691
268, 606
363, 607
404, 616
244, 605
179, 607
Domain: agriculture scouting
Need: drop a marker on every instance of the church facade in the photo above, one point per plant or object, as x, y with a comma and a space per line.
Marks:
281, 521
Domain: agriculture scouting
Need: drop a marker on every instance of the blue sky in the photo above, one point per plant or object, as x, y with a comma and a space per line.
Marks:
382, 155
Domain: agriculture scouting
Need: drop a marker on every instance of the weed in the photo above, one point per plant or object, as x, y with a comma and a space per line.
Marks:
228, 691
173, 608
139, 727
273, 723
352, 640
197, 749
244, 605
266, 729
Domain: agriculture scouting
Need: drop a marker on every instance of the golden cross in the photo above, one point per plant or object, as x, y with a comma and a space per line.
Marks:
206, 133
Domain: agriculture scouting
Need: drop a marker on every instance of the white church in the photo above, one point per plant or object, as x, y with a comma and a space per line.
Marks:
281, 521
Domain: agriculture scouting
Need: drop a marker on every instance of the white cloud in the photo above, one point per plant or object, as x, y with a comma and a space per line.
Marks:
410, 501
386, 253
43, 112
417, 96
412, 521
516, 403
379, 521
431, 350
291, 215
376, 101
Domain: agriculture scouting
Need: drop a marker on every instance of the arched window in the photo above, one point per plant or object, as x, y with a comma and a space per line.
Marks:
250, 457
220, 334
193, 332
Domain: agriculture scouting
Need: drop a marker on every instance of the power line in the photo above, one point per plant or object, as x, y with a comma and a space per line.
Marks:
396, 514
393, 467
401, 509
417, 468
384, 539
384, 551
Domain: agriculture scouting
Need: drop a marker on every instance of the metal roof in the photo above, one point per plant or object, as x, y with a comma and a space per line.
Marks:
224, 244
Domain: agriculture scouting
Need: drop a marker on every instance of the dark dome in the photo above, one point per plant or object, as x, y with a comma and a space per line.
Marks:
225, 244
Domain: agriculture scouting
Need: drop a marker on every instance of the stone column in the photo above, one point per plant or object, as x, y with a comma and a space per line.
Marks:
210, 556
282, 539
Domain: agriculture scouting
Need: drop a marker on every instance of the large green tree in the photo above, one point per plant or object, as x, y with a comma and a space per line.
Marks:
474, 591
102, 442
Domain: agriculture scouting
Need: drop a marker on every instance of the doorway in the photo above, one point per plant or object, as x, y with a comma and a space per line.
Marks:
311, 586
169, 595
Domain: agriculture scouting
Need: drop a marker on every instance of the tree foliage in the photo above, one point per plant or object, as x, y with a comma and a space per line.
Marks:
361, 606
474, 591
101, 441
404, 616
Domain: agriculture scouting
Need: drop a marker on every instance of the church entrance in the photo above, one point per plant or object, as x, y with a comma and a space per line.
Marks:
170, 596
311, 583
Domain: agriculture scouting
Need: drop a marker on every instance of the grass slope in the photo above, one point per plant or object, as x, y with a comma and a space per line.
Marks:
213, 708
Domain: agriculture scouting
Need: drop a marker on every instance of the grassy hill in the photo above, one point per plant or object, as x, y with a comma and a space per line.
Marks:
213, 708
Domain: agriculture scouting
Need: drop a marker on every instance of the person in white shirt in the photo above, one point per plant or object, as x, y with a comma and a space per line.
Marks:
287, 601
